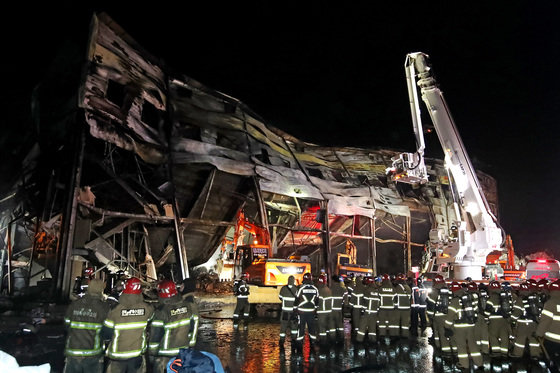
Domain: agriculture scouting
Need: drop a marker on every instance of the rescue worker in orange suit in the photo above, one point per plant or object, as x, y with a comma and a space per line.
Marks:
438, 302
242, 307
499, 328
368, 321
357, 300
548, 330
324, 310
84, 321
307, 298
126, 327
387, 304
288, 317
339, 292
526, 316
478, 300
418, 307
404, 294
459, 327
174, 326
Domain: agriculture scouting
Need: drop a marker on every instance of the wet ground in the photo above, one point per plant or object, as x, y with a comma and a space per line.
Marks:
250, 348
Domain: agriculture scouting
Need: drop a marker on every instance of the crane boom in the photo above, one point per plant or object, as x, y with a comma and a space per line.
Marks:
477, 231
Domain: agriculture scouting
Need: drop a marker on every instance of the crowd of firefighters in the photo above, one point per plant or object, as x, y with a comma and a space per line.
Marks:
469, 320
473, 323
116, 332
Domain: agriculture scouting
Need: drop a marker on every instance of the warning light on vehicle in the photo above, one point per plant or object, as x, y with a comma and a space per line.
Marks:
541, 261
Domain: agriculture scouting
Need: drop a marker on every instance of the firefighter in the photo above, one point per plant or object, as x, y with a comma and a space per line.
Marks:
542, 291
174, 326
418, 307
438, 302
81, 282
526, 316
306, 305
498, 310
339, 292
548, 330
387, 304
84, 320
459, 327
126, 326
324, 310
242, 307
478, 297
357, 300
403, 305
114, 295
368, 321
288, 317
350, 284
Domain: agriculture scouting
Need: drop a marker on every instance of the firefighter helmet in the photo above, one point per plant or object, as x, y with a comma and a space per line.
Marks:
166, 289
369, 280
472, 286
245, 276
494, 285
133, 286
419, 280
385, 276
455, 286
525, 286
542, 284
554, 286
322, 280
88, 272
307, 277
438, 278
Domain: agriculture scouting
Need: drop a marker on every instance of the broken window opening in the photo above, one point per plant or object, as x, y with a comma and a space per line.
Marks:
263, 157
115, 92
150, 115
315, 172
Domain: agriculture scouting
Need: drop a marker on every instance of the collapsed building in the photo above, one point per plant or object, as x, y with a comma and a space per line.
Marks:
139, 168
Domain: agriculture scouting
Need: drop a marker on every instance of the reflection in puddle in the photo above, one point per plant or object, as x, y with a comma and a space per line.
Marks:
255, 348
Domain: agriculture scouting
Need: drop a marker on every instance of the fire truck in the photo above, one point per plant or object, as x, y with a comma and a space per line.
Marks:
460, 242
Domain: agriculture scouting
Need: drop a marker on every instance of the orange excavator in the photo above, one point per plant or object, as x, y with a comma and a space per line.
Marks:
253, 255
508, 271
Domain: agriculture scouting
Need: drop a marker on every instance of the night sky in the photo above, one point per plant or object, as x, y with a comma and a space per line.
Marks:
333, 75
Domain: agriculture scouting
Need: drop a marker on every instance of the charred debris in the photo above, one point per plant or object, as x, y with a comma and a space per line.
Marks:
139, 168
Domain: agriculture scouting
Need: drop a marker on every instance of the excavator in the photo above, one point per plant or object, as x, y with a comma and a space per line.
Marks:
466, 233
497, 268
254, 256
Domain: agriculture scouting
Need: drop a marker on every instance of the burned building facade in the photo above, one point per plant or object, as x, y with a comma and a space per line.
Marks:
141, 169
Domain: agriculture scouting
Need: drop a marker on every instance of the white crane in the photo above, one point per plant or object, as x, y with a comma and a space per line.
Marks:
477, 232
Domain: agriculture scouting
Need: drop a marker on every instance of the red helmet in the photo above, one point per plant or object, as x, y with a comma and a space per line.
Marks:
88, 272
369, 280
494, 285
245, 276
455, 286
554, 286
166, 289
525, 286
307, 277
133, 286
322, 280
438, 279
385, 276
542, 284
472, 286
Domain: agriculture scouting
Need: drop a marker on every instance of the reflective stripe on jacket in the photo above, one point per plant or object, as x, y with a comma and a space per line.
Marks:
175, 326
84, 319
128, 321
